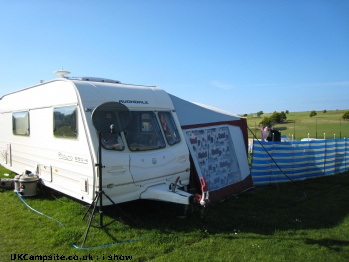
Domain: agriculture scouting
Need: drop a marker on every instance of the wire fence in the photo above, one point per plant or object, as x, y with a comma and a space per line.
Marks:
274, 162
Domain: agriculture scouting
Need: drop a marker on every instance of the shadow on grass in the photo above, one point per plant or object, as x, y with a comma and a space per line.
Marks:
332, 244
264, 210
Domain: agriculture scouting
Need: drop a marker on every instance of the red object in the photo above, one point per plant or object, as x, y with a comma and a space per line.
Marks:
203, 184
203, 199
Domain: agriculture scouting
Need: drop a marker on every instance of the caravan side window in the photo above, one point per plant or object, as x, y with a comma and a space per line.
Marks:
20, 123
169, 127
65, 122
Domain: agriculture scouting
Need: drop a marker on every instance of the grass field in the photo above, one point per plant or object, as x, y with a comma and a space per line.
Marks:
263, 224
299, 124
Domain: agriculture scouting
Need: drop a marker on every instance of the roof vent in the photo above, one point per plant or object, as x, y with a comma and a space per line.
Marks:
62, 73
97, 79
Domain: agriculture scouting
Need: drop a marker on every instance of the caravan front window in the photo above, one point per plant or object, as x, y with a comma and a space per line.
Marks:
143, 133
20, 123
108, 122
169, 127
65, 122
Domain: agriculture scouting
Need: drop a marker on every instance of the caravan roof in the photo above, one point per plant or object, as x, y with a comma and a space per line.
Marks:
91, 92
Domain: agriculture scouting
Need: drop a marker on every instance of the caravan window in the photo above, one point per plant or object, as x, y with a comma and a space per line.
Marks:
107, 122
20, 123
65, 122
143, 133
169, 127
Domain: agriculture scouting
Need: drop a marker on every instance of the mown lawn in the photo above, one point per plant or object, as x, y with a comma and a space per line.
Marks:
274, 223
299, 124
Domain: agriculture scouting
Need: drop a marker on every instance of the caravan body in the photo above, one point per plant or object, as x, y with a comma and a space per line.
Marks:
48, 130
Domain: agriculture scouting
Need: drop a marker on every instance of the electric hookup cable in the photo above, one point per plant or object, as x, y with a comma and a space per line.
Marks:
61, 224
301, 198
106, 245
21, 198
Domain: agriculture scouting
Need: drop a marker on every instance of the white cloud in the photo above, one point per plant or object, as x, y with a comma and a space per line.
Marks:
221, 85
338, 84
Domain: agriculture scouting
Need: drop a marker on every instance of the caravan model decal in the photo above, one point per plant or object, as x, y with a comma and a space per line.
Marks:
3, 155
133, 102
76, 159
65, 157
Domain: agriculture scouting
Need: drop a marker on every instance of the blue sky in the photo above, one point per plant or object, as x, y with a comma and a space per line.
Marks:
241, 56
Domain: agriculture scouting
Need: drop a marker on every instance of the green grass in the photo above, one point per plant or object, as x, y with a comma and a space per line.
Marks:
264, 224
300, 124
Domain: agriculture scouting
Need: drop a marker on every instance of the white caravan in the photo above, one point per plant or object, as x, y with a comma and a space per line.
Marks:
48, 130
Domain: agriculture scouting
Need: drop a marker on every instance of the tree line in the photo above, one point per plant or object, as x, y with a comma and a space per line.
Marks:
281, 117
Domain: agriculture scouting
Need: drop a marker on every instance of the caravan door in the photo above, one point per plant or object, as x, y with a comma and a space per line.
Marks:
150, 160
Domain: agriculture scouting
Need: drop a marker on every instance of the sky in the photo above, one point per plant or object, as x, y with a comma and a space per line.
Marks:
241, 56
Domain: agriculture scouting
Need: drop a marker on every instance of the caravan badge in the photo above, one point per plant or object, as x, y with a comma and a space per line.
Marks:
65, 157
133, 102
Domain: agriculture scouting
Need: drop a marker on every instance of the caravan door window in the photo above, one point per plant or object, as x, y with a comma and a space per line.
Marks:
169, 127
20, 123
65, 122
143, 133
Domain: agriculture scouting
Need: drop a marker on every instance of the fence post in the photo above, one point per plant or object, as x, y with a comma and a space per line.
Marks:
271, 152
324, 153
345, 154
340, 128
335, 154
